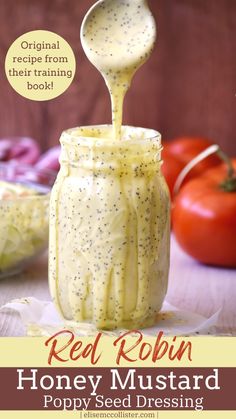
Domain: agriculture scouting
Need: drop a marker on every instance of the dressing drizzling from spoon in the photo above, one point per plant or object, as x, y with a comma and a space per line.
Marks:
118, 36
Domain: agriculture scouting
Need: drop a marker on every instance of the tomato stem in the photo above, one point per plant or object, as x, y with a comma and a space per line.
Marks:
228, 185
226, 159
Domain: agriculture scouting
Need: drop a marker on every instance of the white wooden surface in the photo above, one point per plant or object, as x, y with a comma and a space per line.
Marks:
192, 286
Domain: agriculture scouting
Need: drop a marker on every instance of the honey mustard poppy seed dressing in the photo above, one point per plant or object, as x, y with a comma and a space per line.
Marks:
118, 37
109, 224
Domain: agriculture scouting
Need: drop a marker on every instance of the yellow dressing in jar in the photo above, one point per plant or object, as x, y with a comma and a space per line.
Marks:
109, 242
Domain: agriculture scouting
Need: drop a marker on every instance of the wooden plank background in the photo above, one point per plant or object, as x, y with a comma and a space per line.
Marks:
187, 88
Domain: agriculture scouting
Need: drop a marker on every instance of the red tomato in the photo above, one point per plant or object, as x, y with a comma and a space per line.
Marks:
204, 219
180, 152
171, 169
220, 172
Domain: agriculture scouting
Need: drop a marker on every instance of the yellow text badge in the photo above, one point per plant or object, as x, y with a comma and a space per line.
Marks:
40, 65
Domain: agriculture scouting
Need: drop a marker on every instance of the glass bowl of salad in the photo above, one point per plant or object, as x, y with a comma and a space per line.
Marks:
24, 206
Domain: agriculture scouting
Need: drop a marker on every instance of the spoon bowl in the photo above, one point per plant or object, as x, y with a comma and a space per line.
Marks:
118, 35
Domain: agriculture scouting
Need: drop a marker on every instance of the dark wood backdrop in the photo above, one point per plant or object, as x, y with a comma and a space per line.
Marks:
187, 88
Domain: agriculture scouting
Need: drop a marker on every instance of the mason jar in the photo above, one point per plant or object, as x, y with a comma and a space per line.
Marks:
109, 228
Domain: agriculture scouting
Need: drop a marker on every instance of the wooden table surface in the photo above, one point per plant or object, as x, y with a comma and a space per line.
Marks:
192, 286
